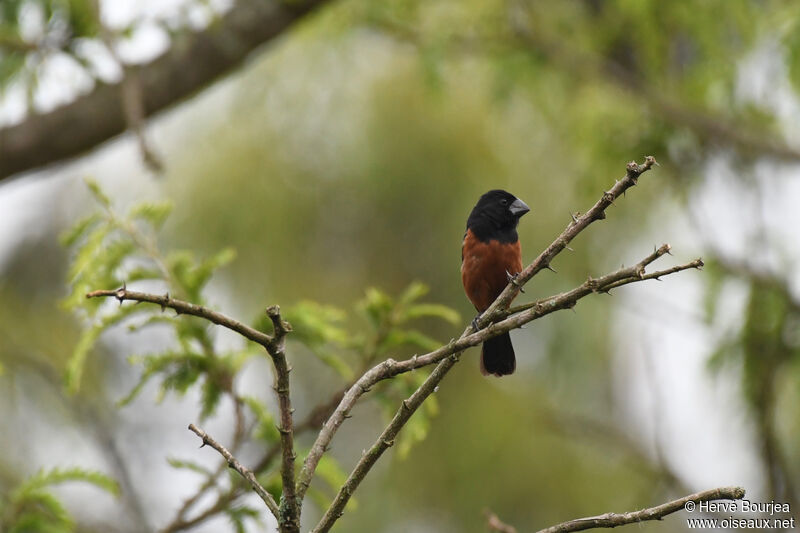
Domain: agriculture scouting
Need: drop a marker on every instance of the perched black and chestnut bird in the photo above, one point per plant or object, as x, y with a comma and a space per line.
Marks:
490, 256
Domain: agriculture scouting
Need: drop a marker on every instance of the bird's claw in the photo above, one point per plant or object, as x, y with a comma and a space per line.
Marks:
475, 322
512, 279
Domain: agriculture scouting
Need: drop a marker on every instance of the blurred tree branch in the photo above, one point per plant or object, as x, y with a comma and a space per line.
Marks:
193, 61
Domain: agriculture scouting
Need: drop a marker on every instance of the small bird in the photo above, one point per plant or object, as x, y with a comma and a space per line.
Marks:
491, 257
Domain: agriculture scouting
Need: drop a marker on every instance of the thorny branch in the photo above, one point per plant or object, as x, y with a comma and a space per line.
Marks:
289, 515
186, 308
290, 508
236, 465
653, 513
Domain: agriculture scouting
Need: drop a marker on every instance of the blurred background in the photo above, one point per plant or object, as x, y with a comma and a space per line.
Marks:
339, 145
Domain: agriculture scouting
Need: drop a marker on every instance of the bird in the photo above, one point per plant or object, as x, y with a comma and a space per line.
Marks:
491, 256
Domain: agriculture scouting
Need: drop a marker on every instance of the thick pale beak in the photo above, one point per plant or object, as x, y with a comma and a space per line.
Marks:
518, 208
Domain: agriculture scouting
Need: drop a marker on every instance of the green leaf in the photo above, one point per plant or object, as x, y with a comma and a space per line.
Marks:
376, 306
414, 432
265, 429
184, 371
181, 370
413, 292
210, 396
56, 476
331, 472
79, 229
140, 273
334, 361
87, 340
397, 338
433, 310
153, 213
193, 278
791, 43
318, 327
314, 323
98, 193
182, 464
40, 512
37, 510
238, 515
85, 259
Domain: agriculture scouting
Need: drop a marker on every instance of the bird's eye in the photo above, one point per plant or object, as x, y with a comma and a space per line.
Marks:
504, 202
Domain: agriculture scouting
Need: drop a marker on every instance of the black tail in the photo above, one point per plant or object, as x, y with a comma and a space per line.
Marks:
497, 356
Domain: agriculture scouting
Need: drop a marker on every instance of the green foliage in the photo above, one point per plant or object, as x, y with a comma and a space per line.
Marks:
321, 329
388, 333
416, 429
387, 328
238, 515
183, 464
266, 430
389, 319
31, 507
111, 250
330, 472
792, 43
764, 347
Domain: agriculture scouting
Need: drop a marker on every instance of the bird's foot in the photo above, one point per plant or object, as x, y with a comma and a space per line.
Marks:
512, 279
475, 322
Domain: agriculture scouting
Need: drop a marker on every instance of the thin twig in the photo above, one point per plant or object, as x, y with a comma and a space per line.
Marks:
180, 521
187, 308
236, 465
653, 513
313, 421
390, 368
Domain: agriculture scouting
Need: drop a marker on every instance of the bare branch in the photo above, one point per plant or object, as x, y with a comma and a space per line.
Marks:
653, 513
290, 511
187, 308
236, 465
390, 368
697, 263
576, 225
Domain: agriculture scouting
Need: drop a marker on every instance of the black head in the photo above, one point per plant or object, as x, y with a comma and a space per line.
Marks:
496, 216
